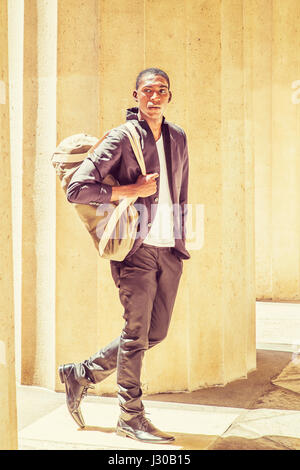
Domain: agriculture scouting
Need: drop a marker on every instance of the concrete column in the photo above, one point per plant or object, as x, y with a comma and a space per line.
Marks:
38, 248
8, 423
121, 53
220, 275
78, 312
276, 43
216, 53
171, 359
248, 29
262, 143
205, 52
211, 339
15, 54
285, 177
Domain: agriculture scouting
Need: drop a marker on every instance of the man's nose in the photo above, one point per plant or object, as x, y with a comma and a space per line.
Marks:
155, 96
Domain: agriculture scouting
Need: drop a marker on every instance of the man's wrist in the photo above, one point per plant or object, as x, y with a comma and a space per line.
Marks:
120, 192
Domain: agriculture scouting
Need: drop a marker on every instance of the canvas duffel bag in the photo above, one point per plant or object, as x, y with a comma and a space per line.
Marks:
112, 226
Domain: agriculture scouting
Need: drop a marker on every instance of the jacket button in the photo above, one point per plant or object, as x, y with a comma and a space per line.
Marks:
149, 225
156, 199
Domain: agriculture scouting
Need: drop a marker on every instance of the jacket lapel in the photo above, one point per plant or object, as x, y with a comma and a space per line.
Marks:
132, 114
168, 153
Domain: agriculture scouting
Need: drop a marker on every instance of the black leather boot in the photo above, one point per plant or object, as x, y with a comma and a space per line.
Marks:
141, 429
76, 389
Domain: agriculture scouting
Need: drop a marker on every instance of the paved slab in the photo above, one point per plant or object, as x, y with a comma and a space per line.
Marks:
289, 378
262, 443
278, 326
194, 426
253, 424
260, 412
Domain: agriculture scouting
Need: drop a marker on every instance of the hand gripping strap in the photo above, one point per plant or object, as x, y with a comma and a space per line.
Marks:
123, 205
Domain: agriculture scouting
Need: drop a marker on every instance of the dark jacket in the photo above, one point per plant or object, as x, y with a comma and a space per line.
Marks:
115, 156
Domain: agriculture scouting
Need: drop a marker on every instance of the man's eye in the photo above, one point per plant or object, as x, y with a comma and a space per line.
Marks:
163, 90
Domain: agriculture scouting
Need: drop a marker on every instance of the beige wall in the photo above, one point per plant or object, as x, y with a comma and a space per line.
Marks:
39, 217
15, 54
8, 422
77, 285
212, 330
276, 42
232, 65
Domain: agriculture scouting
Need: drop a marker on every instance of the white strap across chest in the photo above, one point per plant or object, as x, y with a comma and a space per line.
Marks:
123, 205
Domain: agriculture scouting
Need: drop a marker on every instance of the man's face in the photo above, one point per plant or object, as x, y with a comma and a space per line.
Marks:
152, 96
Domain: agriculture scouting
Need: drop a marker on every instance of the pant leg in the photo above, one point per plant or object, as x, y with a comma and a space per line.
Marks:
138, 286
167, 270
170, 271
136, 279
103, 363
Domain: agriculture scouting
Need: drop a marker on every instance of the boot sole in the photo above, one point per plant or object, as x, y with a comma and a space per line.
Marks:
122, 433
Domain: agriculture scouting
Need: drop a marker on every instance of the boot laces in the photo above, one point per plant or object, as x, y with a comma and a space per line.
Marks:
85, 390
144, 421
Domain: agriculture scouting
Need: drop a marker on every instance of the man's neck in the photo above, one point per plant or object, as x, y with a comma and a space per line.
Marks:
154, 124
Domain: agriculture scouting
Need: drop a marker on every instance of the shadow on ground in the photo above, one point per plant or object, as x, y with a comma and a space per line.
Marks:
274, 385
269, 418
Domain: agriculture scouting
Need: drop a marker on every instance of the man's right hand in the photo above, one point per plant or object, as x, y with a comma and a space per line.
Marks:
143, 187
146, 185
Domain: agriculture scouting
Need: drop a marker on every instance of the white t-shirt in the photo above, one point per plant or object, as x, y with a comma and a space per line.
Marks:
161, 232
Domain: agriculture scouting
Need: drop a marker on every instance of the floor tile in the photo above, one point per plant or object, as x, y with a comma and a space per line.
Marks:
194, 426
278, 326
253, 424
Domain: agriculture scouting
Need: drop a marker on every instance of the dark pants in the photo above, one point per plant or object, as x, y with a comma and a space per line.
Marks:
148, 283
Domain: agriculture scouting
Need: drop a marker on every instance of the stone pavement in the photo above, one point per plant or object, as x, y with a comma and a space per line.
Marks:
260, 412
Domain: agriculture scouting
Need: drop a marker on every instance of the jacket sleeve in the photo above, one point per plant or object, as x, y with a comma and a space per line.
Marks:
183, 198
86, 185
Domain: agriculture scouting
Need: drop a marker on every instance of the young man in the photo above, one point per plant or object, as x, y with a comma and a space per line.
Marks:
149, 276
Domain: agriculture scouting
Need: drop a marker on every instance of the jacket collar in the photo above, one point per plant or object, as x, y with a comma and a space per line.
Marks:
132, 114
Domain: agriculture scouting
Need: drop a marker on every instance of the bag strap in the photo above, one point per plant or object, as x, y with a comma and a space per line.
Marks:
136, 146
123, 205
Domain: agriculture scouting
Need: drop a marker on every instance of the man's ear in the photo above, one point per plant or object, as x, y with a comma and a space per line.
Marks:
134, 94
170, 96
